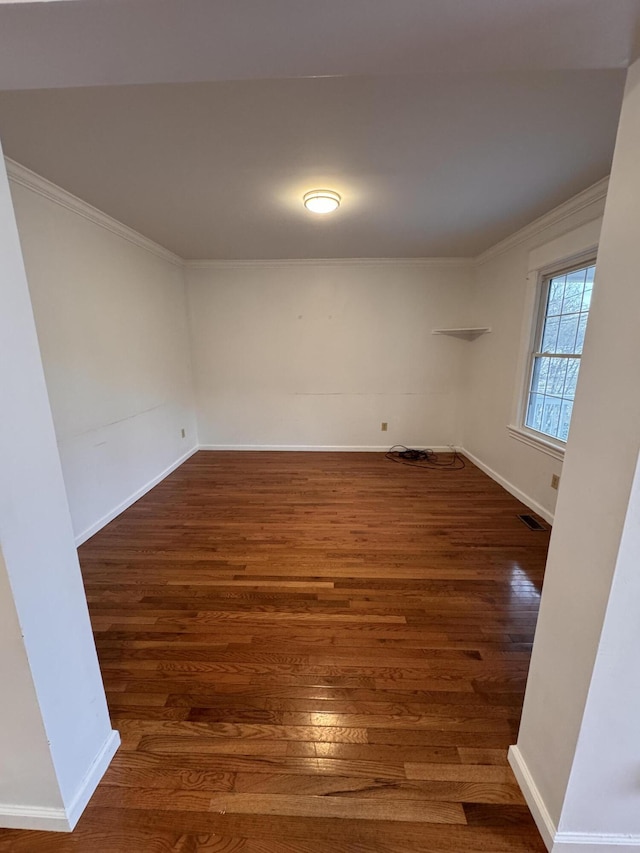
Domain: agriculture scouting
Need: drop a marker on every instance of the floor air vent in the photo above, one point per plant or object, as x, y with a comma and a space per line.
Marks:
531, 522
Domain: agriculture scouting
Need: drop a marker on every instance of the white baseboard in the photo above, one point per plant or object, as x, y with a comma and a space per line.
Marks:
113, 513
31, 817
564, 842
320, 448
537, 807
90, 782
61, 819
513, 490
590, 842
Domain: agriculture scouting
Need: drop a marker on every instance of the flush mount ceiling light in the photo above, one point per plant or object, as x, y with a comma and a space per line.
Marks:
321, 201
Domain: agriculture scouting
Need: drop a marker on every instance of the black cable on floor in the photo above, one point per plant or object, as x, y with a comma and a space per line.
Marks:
424, 458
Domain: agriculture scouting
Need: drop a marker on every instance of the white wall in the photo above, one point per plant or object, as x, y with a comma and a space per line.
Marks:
502, 300
112, 327
318, 354
602, 795
583, 764
55, 734
28, 775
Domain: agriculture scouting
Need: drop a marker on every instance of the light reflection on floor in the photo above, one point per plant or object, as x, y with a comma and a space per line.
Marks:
522, 587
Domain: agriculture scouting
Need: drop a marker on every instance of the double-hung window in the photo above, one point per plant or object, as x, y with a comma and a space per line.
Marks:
555, 361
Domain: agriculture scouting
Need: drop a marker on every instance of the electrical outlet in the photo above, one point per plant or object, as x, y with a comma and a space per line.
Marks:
384, 426
555, 481
183, 433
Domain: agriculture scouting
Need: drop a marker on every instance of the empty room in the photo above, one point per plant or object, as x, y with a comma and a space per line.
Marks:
320, 506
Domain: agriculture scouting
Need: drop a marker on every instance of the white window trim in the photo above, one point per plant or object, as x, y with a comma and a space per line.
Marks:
537, 440
577, 247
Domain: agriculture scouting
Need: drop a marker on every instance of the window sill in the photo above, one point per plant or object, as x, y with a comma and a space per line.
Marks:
532, 440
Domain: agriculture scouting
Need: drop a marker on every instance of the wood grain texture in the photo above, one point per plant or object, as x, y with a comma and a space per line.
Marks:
311, 653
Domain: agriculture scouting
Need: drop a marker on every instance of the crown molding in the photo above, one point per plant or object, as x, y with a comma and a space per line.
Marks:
596, 192
20, 175
329, 262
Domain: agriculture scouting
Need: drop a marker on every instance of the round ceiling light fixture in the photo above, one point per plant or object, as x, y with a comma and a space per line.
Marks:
321, 201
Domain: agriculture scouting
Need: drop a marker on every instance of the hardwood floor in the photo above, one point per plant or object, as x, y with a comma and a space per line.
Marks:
311, 653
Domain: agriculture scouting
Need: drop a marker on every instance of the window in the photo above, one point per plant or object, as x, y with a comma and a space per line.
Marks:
555, 362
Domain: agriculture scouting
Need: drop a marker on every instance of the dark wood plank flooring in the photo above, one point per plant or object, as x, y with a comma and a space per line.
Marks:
311, 653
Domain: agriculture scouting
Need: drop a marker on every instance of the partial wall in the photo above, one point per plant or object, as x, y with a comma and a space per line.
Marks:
55, 735
579, 739
110, 312
503, 298
319, 354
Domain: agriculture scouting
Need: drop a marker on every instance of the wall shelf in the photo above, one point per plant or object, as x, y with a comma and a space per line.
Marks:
469, 332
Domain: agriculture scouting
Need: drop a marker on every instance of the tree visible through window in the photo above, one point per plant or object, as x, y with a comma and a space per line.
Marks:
566, 299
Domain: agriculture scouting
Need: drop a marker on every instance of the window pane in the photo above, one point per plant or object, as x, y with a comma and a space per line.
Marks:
573, 291
550, 336
534, 411
540, 375
557, 375
565, 419
582, 327
551, 415
567, 333
556, 295
573, 367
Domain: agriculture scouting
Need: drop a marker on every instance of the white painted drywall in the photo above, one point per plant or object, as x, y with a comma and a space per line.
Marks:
112, 326
54, 722
319, 354
27, 774
602, 794
501, 299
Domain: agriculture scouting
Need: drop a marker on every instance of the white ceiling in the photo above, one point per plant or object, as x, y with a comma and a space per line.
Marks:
445, 124
110, 42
